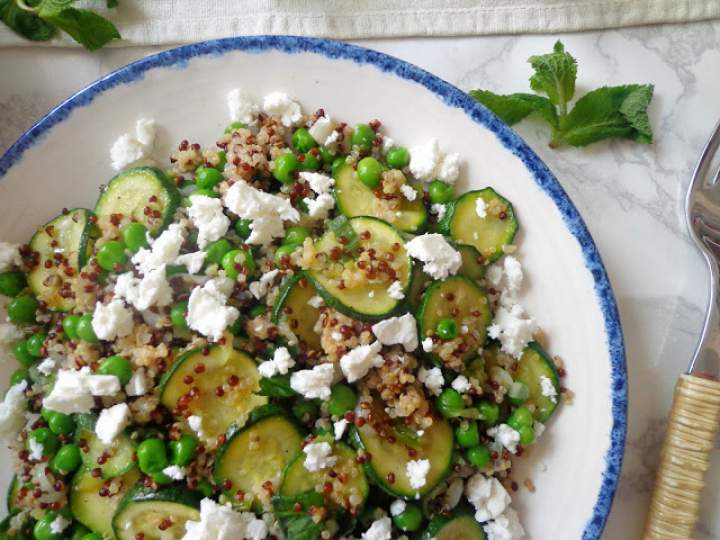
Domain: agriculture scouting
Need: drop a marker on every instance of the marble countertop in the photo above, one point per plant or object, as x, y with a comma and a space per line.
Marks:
630, 195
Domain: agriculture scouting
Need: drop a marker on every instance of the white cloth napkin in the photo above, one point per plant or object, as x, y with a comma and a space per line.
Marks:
150, 22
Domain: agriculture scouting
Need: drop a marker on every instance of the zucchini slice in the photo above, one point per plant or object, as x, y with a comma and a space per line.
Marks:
471, 266
206, 371
459, 526
535, 365
418, 284
114, 459
390, 460
292, 308
155, 515
489, 234
63, 245
363, 298
353, 198
349, 485
91, 509
254, 456
463, 301
142, 194
12, 493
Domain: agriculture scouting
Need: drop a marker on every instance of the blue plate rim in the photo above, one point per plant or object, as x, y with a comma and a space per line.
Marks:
452, 97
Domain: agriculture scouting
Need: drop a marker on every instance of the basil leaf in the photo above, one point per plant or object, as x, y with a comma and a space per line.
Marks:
610, 111
555, 74
512, 108
86, 27
25, 23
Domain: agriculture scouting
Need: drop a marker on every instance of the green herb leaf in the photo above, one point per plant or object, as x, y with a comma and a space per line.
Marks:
112, 4
302, 528
555, 74
86, 27
610, 111
512, 108
277, 386
48, 8
25, 23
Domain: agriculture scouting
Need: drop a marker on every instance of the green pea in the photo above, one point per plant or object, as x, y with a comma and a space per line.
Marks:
363, 136
409, 519
310, 162
342, 399
440, 192
35, 344
60, 423
19, 375
295, 235
397, 157
284, 167
66, 460
47, 438
326, 155
282, 252
135, 236
518, 393
478, 456
234, 126
178, 315
161, 478
205, 488
467, 434
222, 160
69, 325
46, 413
182, 451
43, 528
489, 412
22, 354
258, 310
242, 228
21, 309
306, 411
450, 403
80, 532
85, 330
207, 178
111, 256
152, 456
217, 250
203, 193
369, 171
12, 283
446, 329
236, 259
118, 366
92, 536
521, 417
527, 435
302, 141
337, 163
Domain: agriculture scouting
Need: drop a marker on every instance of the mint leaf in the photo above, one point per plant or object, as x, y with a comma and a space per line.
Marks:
48, 8
610, 111
112, 4
25, 23
512, 108
555, 75
86, 27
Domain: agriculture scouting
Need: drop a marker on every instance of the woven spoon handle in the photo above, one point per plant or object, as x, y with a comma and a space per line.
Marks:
689, 439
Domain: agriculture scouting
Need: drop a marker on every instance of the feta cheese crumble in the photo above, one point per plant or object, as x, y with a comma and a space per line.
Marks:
397, 507
397, 330
221, 522
461, 384
548, 388
207, 312
439, 257
432, 379
513, 328
381, 529
112, 320
316, 302
318, 182
505, 527
439, 210
47, 366
427, 163
73, 390
481, 208
152, 289
260, 288
487, 495
313, 383
356, 363
339, 428
416, 471
396, 290
59, 524
174, 471
163, 250
318, 456
129, 150
320, 206
206, 214
36, 449
9, 256
111, 422
241, 107
505, 436
408, 192
321, 129
195, 423
192, 261
281, 363
138, 385
280, 105
427, 344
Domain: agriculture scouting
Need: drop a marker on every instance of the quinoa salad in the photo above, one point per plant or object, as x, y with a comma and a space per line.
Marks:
302, 330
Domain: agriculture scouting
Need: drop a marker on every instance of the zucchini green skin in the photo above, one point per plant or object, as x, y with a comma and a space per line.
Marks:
119, 453
128, 194
255, 454
533, 364
11, 498
72, 231
418, 285
471, 267
468, 298
356, 302
303, 317
142, 509
489, 234
458, 526
353, 199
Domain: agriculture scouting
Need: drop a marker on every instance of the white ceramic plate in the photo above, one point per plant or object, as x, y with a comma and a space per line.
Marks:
63, 159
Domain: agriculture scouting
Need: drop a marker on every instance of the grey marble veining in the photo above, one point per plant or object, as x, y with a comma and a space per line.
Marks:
629, 194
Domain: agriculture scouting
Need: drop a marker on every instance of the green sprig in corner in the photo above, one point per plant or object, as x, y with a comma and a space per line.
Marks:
41, 20
609, 111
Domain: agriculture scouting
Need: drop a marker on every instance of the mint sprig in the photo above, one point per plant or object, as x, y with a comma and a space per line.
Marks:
609, 111
41, 20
